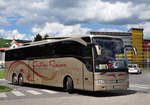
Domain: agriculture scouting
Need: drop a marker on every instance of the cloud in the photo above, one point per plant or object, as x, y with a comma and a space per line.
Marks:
76, 11
24, 9
60, 30
133, 1
105, 11
64, 4
39, 5
4, 21
12, 34
65, 17
145, 15
145, 26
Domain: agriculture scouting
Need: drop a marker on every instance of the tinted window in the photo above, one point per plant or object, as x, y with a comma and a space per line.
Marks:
58, 49
86, 39
16, 54
42, 51
68, 48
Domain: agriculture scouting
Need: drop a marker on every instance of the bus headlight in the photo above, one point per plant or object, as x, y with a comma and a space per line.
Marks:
101, 82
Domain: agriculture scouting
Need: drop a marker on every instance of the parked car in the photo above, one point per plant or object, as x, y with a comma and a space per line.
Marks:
134, 68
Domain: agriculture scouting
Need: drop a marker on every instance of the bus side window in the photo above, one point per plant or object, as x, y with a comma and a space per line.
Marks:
15, 55
8, 56
47, 50
32, 52
87, 51
50, 50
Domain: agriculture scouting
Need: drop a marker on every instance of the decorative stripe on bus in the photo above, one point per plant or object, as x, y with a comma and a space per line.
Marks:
115, 75
39, 75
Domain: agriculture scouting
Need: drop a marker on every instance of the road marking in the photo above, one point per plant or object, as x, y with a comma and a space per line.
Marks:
139, 86
18, 93
3, 95
49, 91
34, 92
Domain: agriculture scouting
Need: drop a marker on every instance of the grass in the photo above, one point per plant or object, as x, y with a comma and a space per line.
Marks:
4, 88
1, 74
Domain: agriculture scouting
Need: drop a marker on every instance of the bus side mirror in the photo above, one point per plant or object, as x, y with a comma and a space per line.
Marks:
98, 49
135, 51
131, 47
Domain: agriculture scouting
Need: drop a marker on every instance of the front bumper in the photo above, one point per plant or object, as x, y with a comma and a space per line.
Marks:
109, 87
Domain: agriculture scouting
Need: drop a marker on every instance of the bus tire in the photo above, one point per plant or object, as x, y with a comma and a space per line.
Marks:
20, 80
14, 79
69, 85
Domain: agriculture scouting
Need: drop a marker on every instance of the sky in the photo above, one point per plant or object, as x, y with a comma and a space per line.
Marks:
23, 19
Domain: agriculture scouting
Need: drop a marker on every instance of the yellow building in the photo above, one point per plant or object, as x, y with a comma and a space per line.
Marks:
137, 42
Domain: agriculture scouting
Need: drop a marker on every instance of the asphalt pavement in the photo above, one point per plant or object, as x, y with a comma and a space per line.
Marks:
32, 94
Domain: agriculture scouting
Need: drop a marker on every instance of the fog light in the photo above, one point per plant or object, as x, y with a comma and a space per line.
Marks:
101, 81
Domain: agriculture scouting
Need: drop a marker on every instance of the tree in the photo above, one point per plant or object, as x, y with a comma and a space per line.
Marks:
45, 36
38, 37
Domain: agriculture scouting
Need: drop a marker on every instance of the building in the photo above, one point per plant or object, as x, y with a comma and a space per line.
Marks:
2, 57
14, 44
146, 52
137, 42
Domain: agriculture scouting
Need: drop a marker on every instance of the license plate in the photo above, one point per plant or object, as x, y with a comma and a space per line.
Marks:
116, 87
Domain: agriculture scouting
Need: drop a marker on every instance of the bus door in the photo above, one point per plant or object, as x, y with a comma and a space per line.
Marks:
88, 76
88, 68
30, 76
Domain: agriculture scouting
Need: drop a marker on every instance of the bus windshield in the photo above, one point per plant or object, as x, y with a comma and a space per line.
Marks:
110, 54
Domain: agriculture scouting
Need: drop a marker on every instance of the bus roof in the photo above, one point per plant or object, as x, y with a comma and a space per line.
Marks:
58, 39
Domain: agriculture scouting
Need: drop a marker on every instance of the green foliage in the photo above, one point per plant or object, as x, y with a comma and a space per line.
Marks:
38, 37
45, 36
4, 88
4, 42
1, 74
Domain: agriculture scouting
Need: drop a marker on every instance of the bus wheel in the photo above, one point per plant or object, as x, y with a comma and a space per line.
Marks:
20, 80
69, 85
14, 79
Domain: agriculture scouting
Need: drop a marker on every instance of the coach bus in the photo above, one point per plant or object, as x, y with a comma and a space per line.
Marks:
91, 63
